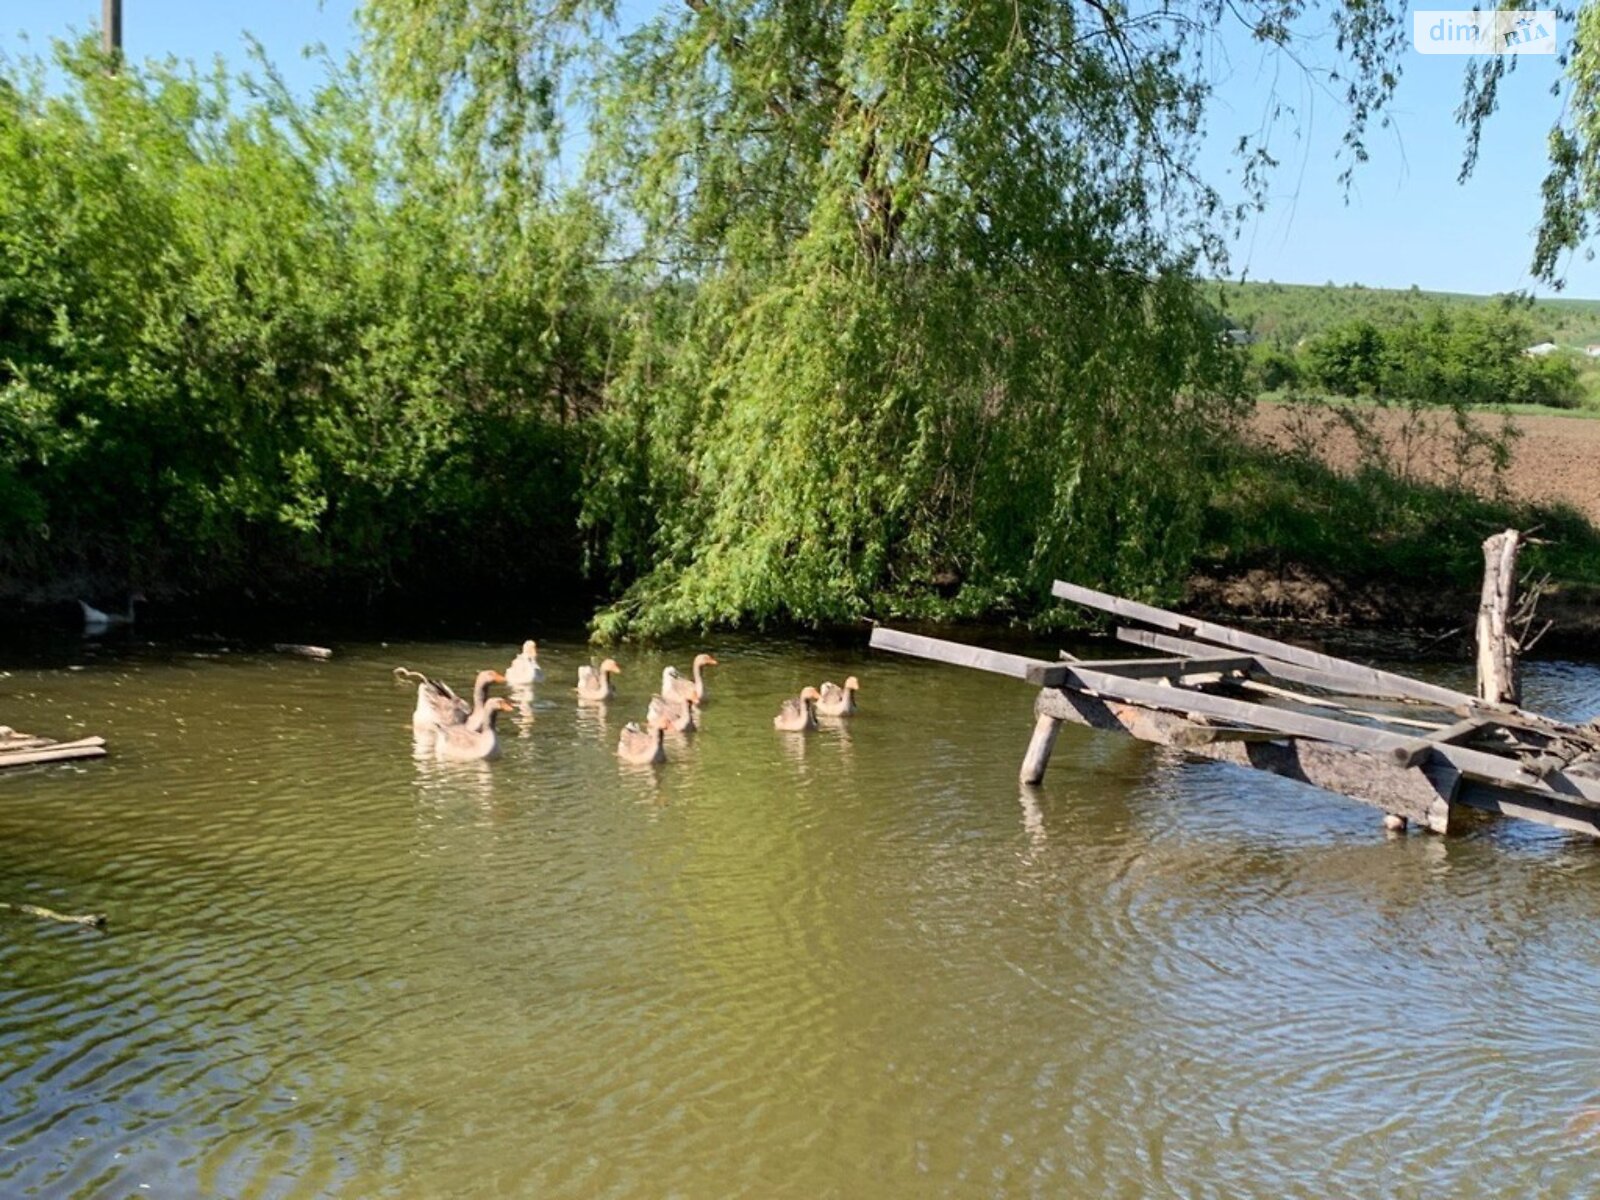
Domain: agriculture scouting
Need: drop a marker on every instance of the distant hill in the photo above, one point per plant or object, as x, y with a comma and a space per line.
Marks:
1283, 313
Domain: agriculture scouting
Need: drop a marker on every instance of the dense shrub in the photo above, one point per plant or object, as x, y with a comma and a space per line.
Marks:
234, 352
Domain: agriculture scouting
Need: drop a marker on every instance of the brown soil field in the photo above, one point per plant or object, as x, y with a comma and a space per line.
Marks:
1556, 460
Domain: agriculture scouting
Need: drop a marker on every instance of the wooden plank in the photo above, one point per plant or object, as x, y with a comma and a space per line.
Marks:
1274, 667
1570, 817
1042, 672
1351, 676
1476, 763
1051, 675
1425, 795
23, 758
1366, 714
1418, 794
956, 654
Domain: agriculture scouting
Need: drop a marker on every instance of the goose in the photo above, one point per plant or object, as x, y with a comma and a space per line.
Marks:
643, 747
675, 687
839, 701
678, 714
594, 683
525, 668
95, 620
437, 704
463, 743
798, 714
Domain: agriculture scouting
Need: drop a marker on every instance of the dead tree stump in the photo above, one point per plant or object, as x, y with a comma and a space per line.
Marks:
1497, 645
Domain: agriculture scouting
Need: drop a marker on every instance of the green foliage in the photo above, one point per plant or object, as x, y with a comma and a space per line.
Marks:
1285, 314
1472, 356
871, 308
1348, 361
936, 338
1269, 369
234, 353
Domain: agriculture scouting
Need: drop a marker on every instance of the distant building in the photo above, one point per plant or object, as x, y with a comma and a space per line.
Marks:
1592, 349
1540, 350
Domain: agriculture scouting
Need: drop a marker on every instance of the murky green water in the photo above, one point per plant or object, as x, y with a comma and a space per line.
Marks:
856, 964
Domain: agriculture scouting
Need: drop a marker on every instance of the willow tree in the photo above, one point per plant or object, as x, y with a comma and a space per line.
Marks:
910, 315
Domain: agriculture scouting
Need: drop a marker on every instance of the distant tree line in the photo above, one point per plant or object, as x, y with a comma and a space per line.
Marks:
1475, 356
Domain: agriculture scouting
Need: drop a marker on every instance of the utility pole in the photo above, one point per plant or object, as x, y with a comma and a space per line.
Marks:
111, 28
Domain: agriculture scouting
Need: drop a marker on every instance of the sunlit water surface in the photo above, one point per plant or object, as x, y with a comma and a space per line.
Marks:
860, 963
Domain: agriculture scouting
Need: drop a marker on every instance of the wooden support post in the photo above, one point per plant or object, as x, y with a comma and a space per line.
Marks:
1497, 646
1040, 745
111, 27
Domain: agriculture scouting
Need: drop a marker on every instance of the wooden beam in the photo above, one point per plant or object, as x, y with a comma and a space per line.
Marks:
1508, 718
1423, 795
1366, 714
956, 654
1476, 763
1570, 817
1048, 674
1352, 676
88, 748
1273, 667
1052, 674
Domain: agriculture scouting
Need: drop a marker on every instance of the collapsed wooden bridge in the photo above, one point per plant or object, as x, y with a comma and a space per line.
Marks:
1415, 750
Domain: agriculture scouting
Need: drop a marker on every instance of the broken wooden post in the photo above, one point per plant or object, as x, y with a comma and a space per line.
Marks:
1497, 646
1040, 745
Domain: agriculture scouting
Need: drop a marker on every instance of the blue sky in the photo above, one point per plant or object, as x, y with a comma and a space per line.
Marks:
1406, 221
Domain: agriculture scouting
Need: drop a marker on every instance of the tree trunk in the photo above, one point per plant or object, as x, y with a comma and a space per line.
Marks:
1497, 646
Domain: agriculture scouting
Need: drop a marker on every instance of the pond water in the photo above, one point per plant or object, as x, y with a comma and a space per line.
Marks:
859, 963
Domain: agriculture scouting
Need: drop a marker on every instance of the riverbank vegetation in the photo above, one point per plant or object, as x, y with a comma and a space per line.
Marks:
869, 313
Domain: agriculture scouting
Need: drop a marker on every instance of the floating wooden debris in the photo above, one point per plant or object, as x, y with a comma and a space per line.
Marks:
317, 652
1416, 750
23, 749
87, 920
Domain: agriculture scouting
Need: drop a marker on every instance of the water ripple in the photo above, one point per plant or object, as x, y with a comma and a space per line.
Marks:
860, 962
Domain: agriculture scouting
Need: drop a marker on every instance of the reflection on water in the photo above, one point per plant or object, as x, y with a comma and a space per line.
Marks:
858, 962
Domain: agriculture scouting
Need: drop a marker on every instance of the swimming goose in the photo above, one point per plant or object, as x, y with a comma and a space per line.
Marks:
675, 687
643, 747
96, 621
679, 714
595, 683
437, 704
525, 668
798, 714
463, 743
839, 701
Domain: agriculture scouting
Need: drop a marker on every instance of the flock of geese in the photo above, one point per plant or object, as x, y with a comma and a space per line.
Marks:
463, 731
